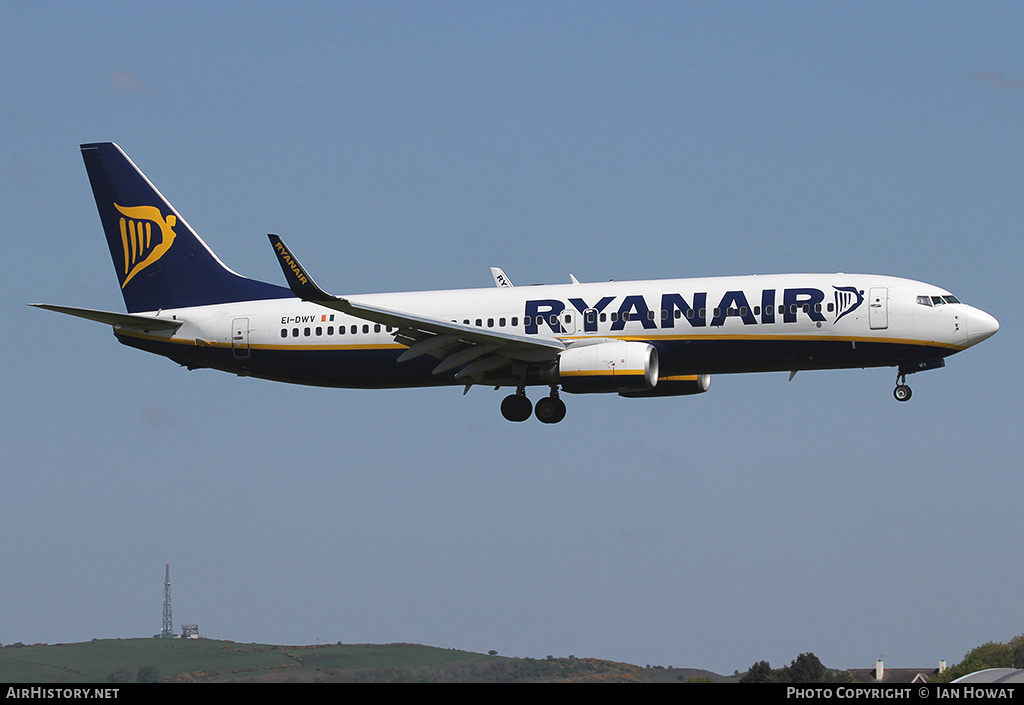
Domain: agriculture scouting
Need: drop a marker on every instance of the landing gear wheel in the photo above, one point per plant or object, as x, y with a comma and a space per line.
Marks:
550, 410
516, 407
902, 392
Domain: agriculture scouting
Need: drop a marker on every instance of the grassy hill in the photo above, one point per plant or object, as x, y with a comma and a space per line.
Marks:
211, 660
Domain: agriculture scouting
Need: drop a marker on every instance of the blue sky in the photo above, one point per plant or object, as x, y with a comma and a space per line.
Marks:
404, 146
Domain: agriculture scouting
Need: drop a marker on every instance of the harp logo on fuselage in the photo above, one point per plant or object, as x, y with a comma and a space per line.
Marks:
143, 244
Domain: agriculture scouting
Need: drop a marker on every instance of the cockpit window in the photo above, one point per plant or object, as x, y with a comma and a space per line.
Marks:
937, 300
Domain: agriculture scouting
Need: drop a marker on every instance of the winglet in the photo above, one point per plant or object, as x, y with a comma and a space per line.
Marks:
500, 279
302, 285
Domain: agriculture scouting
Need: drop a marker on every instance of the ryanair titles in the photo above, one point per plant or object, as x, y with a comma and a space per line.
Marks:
767, 306
291, 262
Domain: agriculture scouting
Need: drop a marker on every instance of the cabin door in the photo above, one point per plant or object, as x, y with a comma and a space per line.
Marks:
240, 338
878, 308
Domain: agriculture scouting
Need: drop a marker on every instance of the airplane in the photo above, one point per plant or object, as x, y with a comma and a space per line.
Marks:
637, 339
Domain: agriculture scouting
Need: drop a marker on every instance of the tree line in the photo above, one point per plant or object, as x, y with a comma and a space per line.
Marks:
807, 668
994, 654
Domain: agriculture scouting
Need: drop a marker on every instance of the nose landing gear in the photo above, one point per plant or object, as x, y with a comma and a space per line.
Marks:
902, 391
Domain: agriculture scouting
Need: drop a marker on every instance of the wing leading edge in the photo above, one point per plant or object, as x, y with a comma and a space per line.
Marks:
480, 351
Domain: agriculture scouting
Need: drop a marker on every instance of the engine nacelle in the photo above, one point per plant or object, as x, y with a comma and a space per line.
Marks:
615, 366
674, 387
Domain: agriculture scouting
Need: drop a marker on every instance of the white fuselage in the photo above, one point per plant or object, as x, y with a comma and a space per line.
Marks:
705, 325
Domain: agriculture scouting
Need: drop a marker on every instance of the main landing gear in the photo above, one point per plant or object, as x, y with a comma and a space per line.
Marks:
517, 407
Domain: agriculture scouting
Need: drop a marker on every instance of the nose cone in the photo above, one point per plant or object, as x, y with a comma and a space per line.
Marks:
980, 326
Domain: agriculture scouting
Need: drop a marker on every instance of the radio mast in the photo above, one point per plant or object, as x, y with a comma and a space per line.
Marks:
167, 631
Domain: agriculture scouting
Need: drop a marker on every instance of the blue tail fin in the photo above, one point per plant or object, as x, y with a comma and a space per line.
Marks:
160, 262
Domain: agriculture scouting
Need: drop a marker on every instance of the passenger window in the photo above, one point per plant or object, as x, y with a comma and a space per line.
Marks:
284, 332
295, 332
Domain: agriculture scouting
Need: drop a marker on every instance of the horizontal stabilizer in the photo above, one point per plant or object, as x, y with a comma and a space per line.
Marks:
120, 320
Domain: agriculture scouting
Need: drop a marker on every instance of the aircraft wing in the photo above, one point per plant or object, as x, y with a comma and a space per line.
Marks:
480, 350
130, 321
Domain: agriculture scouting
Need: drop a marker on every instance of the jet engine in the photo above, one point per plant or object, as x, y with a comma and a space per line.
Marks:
614, 366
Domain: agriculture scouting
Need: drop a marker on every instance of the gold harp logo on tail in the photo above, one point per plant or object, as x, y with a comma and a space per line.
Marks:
144, 245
